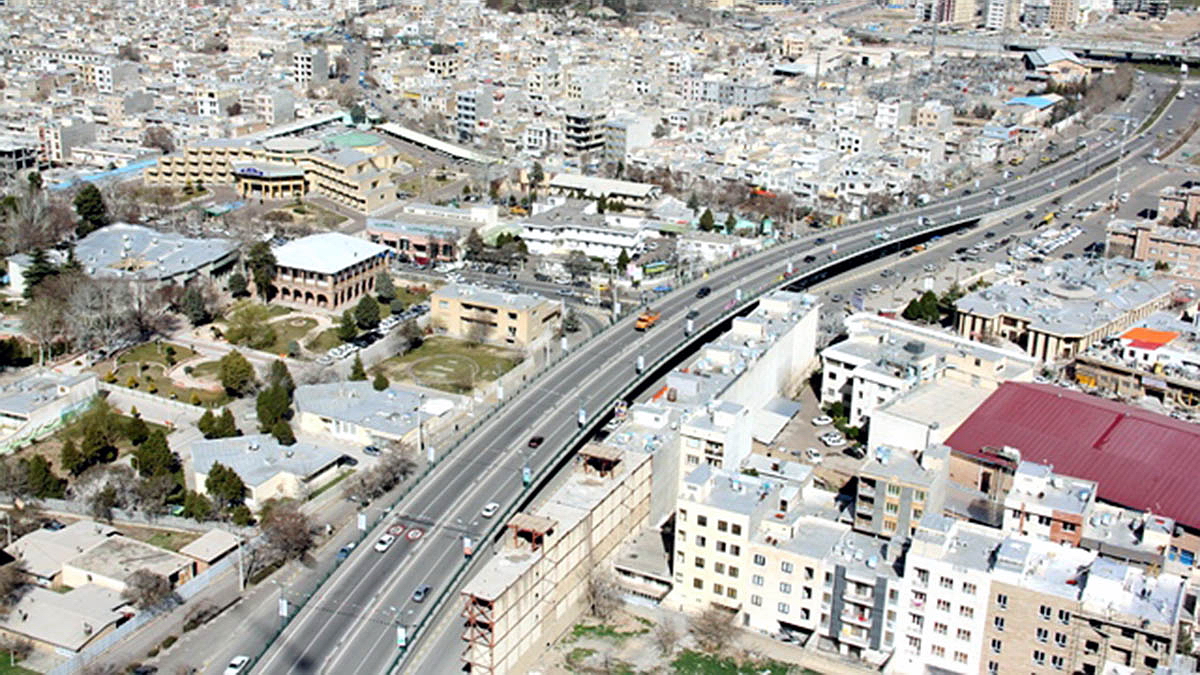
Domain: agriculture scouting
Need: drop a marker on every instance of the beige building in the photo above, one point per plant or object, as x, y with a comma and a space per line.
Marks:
1176, 248
353, 169
535, 588
1063, 14
110, 563
268, 469
512, 319
330, 271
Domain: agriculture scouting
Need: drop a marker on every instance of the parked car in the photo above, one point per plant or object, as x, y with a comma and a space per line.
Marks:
813, 455
833, 440
385, 542
344, 552
822, 420
855, 451
372, 451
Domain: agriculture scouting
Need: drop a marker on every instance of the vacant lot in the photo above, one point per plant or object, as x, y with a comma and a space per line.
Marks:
450, 365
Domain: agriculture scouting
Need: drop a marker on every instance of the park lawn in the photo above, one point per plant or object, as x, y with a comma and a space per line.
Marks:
154, 381
273, 311
697, 663
450, 365
154, 352
206, 370
291, 329
412, 295
324, 341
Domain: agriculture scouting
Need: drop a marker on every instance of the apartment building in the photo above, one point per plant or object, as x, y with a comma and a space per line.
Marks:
473, 112
310, 68
515, 320
1160, 357
625, 134
893, 114
884, 358
444, 66
329, 271
1063, 14
896, 489
1002, 15
214, 99
1056, 311
1173, 200
573, 225
584, 129
61, 137
535, 588
935, 116
1046, 505
1176, 248
419, 242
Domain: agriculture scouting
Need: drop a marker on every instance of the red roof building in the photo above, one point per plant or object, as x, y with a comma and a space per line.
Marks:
1140, 459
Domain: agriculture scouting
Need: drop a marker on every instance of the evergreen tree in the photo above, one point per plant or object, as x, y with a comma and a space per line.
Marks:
278, 374
194, 307
707, 221
70, 458
380, 382
237, 375
261, 263
42, 481
385, 290
238, 286
155, 458
622, 261
366, 313
89, 206
136, 430
474, 245
347, 329
207, 424
35, 181
272, 406
730, 223
39, 269
197, 506
282, 431
226, 426
357, 372
224, 486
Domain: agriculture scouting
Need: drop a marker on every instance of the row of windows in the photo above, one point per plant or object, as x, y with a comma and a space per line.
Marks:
719, 546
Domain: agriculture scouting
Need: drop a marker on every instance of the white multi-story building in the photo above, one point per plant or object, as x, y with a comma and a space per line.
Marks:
893, 114
310, 68
563, 225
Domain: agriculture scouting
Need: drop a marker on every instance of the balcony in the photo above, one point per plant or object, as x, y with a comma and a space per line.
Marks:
857, 618
865, 489
867, 598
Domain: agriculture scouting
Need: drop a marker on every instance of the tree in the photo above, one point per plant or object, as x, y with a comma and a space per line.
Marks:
272, 406
707, 222
155, 458
282, 431
150, 495
128, 52
159, 137
347, 328
366, 313
713, 628
194, 307
238, 286
147, 590
226, 426
102, 502
233, 109
70, 459
385, 290
578, 264
357, 114
261, 263
474, 246
537, 175
89, 206
249, 326
43, 483
287, 529
38, 270
102, 429
570, 323
43, 320
12, 584
603, 595
279, 375
730, 223
35, 181
224, 487
357, 372
136, 430
207, 423
622, 261
411, 332
380, 382
237, 375
924, 308
197, 506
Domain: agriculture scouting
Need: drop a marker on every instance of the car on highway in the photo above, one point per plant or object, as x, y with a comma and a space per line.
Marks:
385, 542
813, 455
818, 241
822, 420
929, 267
238, 665
490, 510
703, 292
693, 313
810, 258
876, 288
887, 273
421, 593
537, 441
372, 451
344, 552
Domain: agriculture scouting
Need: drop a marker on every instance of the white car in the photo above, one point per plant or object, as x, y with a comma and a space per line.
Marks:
490, 510
822, 420
385, 542
833, 440
813, 455
237, 666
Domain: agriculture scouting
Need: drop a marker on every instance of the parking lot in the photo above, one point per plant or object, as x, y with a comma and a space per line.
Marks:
835, 467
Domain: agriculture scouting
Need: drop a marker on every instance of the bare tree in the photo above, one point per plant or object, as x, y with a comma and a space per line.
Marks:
713, 628
100, 311
603, 595
12, 585
666, 637
393, 466
287, 530
159, 137
146, 590
43, 322
34, 219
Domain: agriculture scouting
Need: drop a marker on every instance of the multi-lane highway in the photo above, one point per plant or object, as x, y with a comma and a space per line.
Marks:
350, 625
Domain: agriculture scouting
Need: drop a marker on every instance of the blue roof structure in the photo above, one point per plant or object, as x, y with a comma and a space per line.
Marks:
1039, 102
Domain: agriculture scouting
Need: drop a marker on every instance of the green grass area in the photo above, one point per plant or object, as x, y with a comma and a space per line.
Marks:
328, 486
309, 212
156, 352
323, 341
153, 380
450, 365
6, 669
577, 656
603, 632
290, 329
273, 311
697, 663
206, 370
412, 295
172, 541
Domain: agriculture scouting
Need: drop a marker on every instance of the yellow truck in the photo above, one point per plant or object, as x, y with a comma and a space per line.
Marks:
646, 320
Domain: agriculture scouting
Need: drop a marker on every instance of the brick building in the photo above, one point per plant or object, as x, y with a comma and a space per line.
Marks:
329, 271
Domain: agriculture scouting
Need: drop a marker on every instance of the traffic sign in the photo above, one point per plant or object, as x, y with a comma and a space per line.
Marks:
414, 534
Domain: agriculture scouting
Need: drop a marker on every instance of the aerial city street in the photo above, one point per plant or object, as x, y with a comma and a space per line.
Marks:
600, 336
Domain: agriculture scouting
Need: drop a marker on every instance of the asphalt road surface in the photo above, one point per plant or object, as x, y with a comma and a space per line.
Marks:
350, 626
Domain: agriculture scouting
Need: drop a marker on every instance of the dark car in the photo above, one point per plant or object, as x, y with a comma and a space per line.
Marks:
536, 441
538, 276
855, 452
581, 284
819, 240
810, 258
692, 314
372, 451
989, 235
421, 593
703, 292
344, 552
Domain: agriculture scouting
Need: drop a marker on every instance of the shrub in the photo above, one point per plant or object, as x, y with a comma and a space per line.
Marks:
131, 382
170, 640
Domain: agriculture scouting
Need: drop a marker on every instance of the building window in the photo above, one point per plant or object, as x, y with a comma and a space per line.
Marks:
719, 567
1002, 601
998, 622
916, 620
893, 489
698, 583
993, 668
756, 600
1057, 661
718, 589
939, 628
943, 605
918, 495
1043, 635
1039, 657
968, 588
785, 587
892, 507
702, 521
735, 550
946, 582
722, 526
700, 540
733, 571
1064, 617
938, 651
960, 657
1060, 639
783, 608
787, 567
964, 635
968, 612
757, 580
914, 643
735, 529
996, 646
720, 546
1044, 612
1068, 527
682, 515
700, 563
731, 593
759, 559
